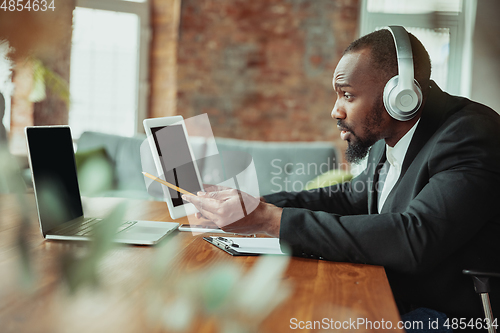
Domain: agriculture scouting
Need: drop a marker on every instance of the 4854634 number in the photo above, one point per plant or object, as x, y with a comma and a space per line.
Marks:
27, 5
462, 323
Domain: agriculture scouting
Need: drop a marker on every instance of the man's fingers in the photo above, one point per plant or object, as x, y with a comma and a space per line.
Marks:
214, 188
210, 216
221, 212
221, 195
202, 203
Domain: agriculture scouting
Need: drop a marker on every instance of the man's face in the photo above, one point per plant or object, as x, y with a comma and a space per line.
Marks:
359, 107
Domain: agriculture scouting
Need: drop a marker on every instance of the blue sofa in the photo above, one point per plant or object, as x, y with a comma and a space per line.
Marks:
279, 165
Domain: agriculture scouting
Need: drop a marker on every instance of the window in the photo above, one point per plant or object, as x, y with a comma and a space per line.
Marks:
445, 28
108, 81
413, 7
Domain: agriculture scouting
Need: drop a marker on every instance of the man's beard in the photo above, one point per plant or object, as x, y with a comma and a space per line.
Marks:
356, 151
358, 148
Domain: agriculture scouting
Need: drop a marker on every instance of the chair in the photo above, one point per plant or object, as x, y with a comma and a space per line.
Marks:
482, 286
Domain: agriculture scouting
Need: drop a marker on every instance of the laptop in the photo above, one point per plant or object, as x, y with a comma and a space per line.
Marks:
57, 195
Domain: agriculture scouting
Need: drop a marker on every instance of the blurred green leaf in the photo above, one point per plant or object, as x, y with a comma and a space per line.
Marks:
38, 88
262, 288
11, 181
43, 78
179, 314
218, 284
166, 251
81, 271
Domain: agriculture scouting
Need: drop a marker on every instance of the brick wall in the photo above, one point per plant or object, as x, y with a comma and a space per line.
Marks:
163, 62
22, 108
262, 69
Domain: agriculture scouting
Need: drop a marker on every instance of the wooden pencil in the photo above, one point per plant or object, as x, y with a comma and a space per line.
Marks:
161, 181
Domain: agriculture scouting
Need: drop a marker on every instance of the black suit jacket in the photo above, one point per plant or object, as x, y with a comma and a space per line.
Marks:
443, 214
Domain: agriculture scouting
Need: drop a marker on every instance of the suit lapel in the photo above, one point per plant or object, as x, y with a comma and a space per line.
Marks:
429, 122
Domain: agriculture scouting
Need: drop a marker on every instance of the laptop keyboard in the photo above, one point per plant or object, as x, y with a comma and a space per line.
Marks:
85, 228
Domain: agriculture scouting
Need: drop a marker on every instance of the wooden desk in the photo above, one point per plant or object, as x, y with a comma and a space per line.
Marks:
321, 291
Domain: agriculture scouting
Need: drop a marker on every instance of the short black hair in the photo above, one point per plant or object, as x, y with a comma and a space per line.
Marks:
383, 53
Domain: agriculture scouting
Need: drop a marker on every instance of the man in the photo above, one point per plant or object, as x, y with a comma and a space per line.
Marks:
434, 215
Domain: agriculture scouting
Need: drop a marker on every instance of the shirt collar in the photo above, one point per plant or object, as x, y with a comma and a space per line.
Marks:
395, 155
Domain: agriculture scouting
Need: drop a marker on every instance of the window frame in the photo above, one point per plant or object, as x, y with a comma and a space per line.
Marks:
461, 28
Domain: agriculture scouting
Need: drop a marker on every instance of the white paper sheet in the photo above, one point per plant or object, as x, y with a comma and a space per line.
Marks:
256, 245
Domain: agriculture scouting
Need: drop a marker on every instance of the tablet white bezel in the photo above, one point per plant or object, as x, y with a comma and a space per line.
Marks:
202, 229
186, 208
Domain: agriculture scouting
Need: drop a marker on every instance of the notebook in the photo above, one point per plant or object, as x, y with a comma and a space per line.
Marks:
57, 194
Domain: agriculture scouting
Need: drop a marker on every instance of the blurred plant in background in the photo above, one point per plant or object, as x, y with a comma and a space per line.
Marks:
24, 37
12, 182
10, 174
28, 37
236, 301
6, 85
79, 271
76, 270
6, 64
40, 44
34, 36
44, 78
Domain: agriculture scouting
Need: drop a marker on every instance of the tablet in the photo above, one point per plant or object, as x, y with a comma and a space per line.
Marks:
174, 161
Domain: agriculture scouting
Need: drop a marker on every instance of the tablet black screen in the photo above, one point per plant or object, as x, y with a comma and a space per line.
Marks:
178, 166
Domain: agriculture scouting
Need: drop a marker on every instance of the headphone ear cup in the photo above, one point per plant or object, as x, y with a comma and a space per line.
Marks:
392, 100
388, 90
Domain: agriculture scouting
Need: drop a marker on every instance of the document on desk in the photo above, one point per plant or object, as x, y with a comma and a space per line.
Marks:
246, 246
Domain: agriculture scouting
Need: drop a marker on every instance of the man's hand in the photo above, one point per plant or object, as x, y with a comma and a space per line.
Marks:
236, 211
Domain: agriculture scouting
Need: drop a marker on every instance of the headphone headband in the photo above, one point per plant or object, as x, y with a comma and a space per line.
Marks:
404, 54
402, 94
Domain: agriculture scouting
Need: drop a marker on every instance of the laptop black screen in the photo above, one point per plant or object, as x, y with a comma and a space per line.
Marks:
54, 175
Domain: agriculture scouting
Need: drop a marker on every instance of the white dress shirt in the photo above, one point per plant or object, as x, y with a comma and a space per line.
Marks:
395, 156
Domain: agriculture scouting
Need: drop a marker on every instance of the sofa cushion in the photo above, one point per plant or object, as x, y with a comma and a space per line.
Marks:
280, 166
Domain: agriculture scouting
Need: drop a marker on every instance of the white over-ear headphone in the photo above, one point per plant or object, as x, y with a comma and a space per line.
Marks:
402, 93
